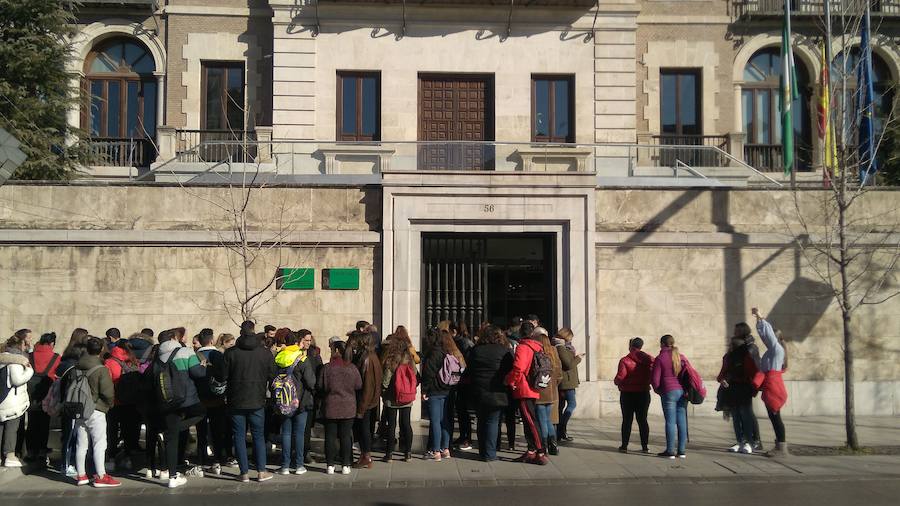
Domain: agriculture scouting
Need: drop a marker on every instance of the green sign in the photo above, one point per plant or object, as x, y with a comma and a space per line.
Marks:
340, 279
303, 278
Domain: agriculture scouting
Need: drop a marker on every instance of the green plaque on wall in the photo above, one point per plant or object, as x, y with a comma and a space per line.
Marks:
302, 278
340, 279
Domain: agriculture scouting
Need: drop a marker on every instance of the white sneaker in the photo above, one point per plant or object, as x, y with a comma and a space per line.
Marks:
747, 448
194, 472
345, 470
71, 471
177, 481
284, 471
163, 475
329, 470
148, 474
736, 448
300, 470
12, 461
215, 469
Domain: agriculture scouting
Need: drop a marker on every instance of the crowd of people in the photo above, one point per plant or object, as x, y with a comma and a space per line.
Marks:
278, 383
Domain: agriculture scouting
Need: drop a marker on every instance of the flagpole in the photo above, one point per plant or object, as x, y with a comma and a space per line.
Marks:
790, 52
827, 149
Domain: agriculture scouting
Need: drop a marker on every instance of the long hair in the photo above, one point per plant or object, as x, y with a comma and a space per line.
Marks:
79, 336
783, 344
395, 352
492, 335
14, 342
667, 341
743, 331
450, 348
565, 334
551, 352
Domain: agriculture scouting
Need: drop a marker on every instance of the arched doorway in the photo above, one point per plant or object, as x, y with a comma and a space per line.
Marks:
761, 112
119, 113
883, 85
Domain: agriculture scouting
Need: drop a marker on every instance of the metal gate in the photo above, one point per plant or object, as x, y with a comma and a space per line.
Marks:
455, 280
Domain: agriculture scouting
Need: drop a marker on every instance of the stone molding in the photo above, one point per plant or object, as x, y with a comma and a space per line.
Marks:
179, 237
88, 36
682, 54
716, 239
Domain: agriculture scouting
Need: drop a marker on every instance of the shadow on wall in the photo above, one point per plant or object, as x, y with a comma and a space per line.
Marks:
811, 297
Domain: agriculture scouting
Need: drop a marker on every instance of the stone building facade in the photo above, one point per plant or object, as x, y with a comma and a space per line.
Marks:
475, 160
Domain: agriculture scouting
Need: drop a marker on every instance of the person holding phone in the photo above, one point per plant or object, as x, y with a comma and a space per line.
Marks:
770, 380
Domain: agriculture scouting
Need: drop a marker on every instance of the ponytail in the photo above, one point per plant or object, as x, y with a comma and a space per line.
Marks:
667, 341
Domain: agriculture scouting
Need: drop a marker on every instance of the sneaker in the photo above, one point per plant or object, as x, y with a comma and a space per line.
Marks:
148, 474
757, 446
345, 470
736, 448
262, 476
215, 469
300, 470
71, 472
525, 457
163, 475
746, 448
465, 445
623, 449
12, 461
105, 481
666, 455
232, 462
446, 453
82, 480
194, 472
541, 459
284, 471
177, 481
329, 470
645, 450
681, 455
244, 478
566, 439
430, 455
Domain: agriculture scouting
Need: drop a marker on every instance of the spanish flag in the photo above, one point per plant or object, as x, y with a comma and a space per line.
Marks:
826, 127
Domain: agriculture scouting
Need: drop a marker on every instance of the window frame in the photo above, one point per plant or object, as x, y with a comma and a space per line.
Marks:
226, 65
551, 120
357, 76
698, 99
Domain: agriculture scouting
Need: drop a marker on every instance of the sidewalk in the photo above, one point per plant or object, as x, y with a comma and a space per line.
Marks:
591, 458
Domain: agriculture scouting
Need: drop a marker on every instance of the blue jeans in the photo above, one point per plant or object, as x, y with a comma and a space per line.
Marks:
544, 423
566, 408
488, 433
240, 418
674, 405
293, 428
440, 421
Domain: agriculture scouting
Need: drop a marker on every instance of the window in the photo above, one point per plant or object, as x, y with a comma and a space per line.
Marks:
358, 106
552, 108
680, 103
223, 96
122, 91
882, 83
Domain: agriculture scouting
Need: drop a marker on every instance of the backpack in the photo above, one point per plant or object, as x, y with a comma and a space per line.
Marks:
692, 384
169, 392
451, 371
78, 401
39, 384
52, 403
4, 383
541, 371
405, 383
286, 391
128, 388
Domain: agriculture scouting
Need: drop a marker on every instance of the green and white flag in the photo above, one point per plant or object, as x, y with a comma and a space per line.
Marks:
787, 92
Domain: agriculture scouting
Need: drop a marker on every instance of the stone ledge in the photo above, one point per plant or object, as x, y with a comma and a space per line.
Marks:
159, 237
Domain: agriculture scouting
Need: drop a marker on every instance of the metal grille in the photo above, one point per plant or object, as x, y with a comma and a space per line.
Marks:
455, 275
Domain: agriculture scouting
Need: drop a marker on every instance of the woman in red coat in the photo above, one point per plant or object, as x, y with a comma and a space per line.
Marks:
525, 396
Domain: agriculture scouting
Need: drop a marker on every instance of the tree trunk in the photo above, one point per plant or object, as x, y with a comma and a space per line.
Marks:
846, 310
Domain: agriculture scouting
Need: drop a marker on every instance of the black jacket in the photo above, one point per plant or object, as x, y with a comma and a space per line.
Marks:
305, 376
248, 369
486, 367
431, 369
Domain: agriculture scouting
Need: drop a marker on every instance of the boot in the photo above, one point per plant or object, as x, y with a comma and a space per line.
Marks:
779, 451
365, 461
552, 447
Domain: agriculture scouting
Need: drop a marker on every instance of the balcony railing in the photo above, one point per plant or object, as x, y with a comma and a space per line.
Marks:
201, 146
121, 152
813, 7
688, 155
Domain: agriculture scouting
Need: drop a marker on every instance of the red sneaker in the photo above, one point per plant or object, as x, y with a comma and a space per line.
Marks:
82, 480
526, 457
105, 481
541, 459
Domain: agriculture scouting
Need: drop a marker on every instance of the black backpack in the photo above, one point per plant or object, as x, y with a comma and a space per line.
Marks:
168, 390
128, 388
39, 384
541, 371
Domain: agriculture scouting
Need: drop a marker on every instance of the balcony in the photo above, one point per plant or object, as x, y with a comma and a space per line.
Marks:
767, 8
109, 153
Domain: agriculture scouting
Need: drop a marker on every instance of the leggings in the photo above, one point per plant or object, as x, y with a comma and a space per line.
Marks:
339, 431
362, 431
175, 423
777, 424
635, 405
390, 429
529, 420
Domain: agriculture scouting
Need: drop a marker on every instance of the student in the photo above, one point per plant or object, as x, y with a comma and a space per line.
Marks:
435, 392
112, 337
213, 428
520, 328
664, 377
633, 380
248, 369
293, 361
488, 363
525, 395
123, 419
225, 341
44, 362
459, 395
93, 427
339, 382
569, 360
73, 352
15, 372
774, 394
369, 396
736, 377
397, 379
547, 404
187, 369
314, 356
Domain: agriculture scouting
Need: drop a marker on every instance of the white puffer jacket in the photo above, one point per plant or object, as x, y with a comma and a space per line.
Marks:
16, 402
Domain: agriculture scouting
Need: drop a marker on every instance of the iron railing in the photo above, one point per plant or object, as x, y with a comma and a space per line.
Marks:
120, 152
670, 156
199, 146
813, 7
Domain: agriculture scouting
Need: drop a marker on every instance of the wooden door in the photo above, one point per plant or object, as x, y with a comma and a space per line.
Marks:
456, 108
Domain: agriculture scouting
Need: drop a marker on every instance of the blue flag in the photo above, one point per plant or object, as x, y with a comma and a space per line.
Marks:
867, 163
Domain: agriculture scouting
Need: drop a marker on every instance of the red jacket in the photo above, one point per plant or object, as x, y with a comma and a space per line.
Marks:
517, 379
634, 372
115, 370
41, 357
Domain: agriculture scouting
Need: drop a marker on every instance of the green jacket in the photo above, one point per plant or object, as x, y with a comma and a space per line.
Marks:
100, 381
570, 363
